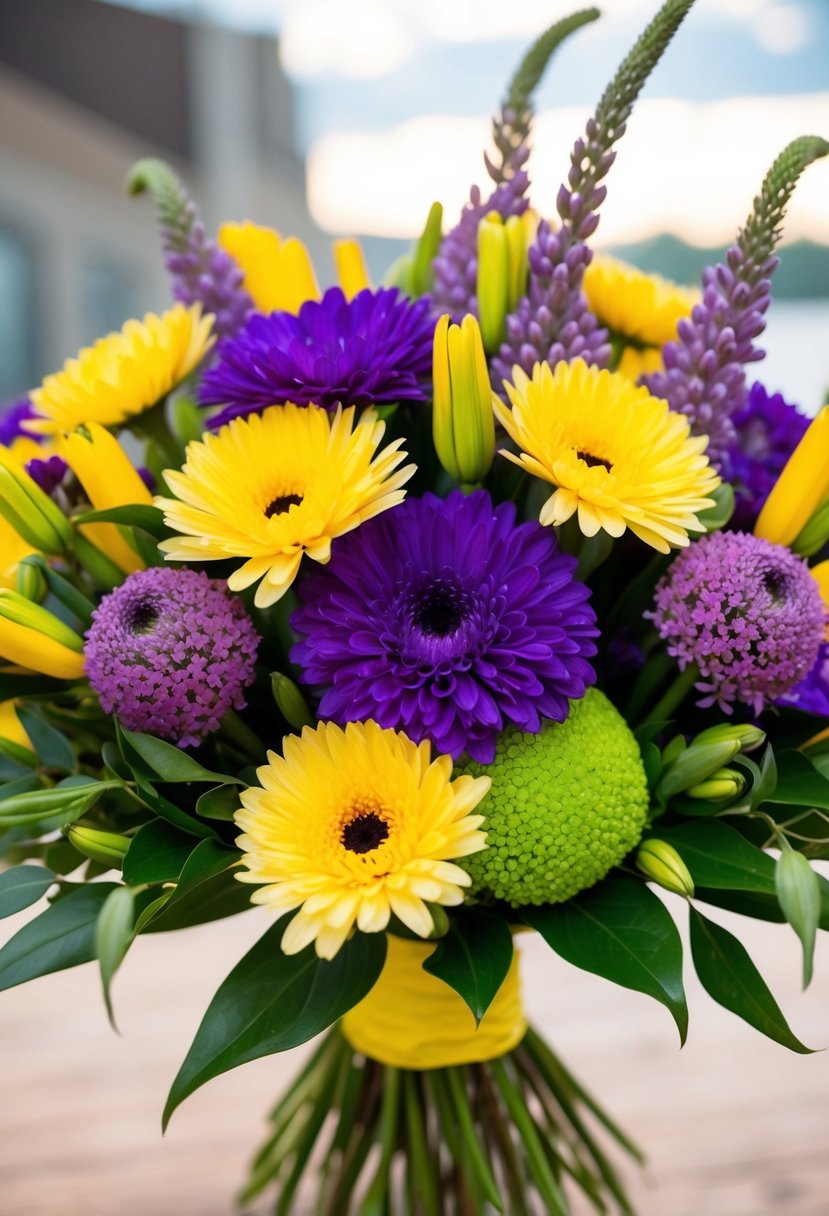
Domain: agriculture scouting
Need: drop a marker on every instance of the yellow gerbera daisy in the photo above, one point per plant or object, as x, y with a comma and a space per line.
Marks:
353, 825
124, 373
273, 486
642, 307
619, 457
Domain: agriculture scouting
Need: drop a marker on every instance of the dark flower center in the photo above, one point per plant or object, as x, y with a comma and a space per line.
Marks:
364, 833
776, 582
141, 616
281, 504
592, 461
440, 610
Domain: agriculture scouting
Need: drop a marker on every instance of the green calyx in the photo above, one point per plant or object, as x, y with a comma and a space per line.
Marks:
566, 805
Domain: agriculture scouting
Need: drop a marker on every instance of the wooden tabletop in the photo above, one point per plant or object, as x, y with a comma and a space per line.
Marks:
733, 1124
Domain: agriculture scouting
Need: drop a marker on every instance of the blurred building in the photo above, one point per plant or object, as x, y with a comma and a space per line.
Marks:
86, 89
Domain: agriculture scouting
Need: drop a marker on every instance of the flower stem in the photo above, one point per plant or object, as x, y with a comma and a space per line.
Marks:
674, 695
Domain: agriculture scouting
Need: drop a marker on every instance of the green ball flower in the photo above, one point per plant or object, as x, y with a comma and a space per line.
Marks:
566, 805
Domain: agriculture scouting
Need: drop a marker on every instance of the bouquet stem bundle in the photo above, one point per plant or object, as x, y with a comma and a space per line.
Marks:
510, 1135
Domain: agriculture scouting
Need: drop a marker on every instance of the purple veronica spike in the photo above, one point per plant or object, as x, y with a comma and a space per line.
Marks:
169, 652
456, 265
704, 376
374, 348
446, 619
747, 612
767, 431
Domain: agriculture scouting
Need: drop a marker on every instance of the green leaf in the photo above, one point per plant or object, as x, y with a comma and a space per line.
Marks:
134, 515
208, 859
621, 931
21, 785
473, 958
217, 897
21, 886
51, 746
729, 976
113, 934
14, 686
718, 856
170, 763
22, 757
272, 1001
799, 783
167, 810
62, 936
156, 854
219, 803
798, 892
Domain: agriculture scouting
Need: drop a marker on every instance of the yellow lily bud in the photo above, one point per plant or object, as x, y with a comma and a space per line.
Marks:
109, 480
802, 487
278, 274
721, 786
502, 272
36, 651
660, 862
11, 727
107, 848
31, 513
463, 426
518, 242
350, 265
16, 608
749, 737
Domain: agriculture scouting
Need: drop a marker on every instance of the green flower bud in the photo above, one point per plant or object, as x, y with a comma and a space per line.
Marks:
21, 611
290, 701
29, 582
107, 848
463, 426
749, 737
695, 764
30, 512
815, 534
660, 862
721, 786
425, 251
502, 273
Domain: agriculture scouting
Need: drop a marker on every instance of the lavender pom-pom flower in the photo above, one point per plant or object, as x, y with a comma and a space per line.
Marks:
170, 651
373, 349
446, 619
747, 612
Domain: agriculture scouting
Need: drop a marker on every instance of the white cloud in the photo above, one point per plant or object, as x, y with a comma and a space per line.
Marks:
782, 29
687, 168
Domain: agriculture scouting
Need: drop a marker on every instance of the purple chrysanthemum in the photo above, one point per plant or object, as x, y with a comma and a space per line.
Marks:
372, 349
747, 612
811, 695
169, 652
445, 619
768, 430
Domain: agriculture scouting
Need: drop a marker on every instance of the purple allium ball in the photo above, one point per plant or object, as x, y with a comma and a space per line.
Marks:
373, 349
445, 619
768, 430
169, 652
747, 612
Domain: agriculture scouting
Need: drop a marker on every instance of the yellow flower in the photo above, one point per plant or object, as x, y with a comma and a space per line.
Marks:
10, 725
35, 651
642, 307
801, 488
278, 273
619, 457
109, 480
13, 548
350, 265
273, 486
124, 373
352, 826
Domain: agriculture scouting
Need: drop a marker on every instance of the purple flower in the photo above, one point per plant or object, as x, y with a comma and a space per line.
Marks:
12, 419
445, 619
811, 695
372, 349
49, 473
169, 652
767, 431
747, 612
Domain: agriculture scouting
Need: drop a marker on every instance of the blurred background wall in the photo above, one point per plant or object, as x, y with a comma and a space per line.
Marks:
325, 117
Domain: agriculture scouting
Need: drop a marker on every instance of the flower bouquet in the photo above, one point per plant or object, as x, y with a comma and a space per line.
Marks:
488, 601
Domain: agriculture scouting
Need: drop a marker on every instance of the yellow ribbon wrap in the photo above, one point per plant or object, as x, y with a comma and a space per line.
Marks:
411, 1019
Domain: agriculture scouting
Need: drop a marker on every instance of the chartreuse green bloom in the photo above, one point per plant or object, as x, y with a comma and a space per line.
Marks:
463, 427
502, 271
566, 805
33, 637
660, 862
801, 489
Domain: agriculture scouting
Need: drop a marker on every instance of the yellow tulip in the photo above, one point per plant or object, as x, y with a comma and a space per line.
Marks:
350, 264
279, 274
802, 487
109, 480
